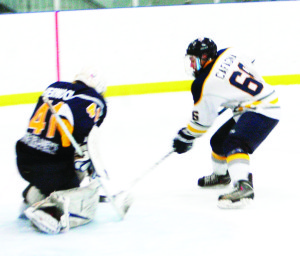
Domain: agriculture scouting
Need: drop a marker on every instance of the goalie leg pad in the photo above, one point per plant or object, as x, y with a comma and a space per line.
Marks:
65, 209
83, 203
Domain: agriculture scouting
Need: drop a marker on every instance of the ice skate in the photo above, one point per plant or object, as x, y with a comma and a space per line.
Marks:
240, 197
214, 179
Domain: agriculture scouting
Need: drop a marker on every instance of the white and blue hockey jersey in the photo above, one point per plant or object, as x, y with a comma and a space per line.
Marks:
229, 81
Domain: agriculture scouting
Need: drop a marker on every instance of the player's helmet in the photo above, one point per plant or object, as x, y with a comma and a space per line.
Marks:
202, 46
198, 53
90, 77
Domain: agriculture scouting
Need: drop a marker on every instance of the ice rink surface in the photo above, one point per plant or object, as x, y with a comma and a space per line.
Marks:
170, 215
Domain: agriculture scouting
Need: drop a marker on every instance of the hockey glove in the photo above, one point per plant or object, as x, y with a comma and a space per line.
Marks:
183, 142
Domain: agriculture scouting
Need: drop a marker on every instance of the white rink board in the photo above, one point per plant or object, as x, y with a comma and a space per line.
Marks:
28, 54
143, 45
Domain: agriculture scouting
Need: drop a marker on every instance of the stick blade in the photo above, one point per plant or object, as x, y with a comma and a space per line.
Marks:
124, 201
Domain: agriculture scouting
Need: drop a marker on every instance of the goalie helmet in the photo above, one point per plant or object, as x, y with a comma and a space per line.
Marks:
199, 52
90, 77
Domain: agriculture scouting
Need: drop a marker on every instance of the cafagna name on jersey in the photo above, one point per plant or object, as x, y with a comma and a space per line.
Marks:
225, 65
58, 93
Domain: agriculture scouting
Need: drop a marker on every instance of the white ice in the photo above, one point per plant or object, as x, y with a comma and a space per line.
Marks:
170, 215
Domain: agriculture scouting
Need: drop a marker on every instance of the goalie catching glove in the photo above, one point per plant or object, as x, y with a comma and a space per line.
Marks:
183, 142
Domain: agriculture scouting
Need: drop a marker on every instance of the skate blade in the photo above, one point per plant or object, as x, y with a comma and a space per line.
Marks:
228, 204
124, 201
216, 187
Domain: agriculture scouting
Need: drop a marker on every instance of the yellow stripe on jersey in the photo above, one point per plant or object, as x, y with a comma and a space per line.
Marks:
193, 130
274, 101
238, 156
255, 103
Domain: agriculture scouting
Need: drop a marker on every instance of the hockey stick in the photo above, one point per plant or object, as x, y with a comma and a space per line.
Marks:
63, 126
121, 204
133, 183
222, 111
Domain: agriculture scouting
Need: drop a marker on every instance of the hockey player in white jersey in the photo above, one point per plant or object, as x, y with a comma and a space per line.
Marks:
225, 79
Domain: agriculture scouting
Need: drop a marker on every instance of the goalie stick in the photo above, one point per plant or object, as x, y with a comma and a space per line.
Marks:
121, 203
